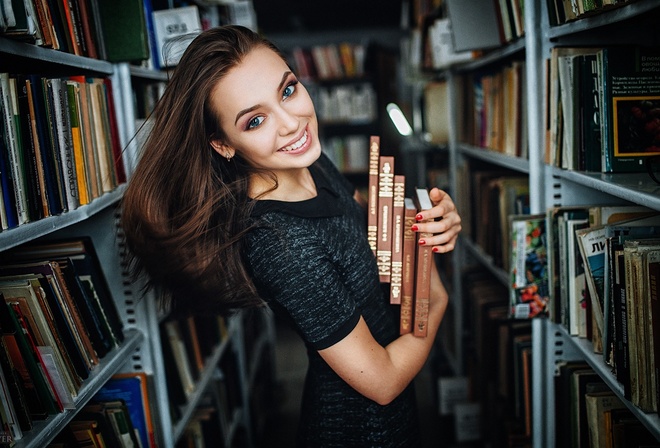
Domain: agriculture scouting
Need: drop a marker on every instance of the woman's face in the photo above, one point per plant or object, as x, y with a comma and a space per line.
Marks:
267, 116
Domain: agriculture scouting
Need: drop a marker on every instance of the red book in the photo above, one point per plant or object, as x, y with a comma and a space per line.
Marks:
372, 212
397, 238
385, 204
424, 265
408, 267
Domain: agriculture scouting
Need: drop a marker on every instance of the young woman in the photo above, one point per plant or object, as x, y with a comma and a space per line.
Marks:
234, 205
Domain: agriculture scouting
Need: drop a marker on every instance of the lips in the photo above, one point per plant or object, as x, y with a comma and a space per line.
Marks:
297, 145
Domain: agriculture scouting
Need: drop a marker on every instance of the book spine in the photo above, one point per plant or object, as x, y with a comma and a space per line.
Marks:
372, 200
10, 108
424, 264
654, 296
61, 111
408, 267
397, 238
385, 203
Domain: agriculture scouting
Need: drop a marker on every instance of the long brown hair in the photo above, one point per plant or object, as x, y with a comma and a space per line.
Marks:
186, 208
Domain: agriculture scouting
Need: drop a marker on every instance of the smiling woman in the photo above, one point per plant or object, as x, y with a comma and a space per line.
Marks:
233, 205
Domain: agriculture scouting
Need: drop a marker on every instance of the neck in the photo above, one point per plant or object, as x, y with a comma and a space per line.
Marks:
292, 186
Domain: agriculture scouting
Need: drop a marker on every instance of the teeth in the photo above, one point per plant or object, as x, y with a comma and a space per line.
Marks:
297, 144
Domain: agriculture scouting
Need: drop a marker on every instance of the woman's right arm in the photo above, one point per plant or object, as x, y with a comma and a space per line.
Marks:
382, 373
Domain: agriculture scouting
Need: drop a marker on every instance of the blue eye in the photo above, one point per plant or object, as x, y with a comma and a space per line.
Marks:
256, 121
289, 90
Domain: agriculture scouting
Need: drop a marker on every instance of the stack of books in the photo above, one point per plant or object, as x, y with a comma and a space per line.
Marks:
402, 261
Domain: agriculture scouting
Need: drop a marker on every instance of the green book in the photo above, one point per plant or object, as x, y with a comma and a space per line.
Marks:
124, 30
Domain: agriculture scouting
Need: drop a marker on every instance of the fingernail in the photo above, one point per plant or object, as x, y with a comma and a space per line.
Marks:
414, 228
422, 242
419, 217
435, 249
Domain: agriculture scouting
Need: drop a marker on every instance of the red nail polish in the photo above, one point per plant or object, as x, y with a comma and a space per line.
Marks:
421, 242
419, 217
435, 249
414, 228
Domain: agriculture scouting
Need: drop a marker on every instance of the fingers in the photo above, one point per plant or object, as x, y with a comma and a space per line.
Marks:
443, 225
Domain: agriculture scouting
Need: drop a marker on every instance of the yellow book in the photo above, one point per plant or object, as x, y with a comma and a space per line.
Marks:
73, 90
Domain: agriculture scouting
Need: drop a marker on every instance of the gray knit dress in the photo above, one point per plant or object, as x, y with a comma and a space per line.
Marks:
313, 265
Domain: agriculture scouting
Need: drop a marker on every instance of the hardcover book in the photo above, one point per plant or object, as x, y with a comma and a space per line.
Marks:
398, 229
372, 199
529, 278
424, 265
408, 267
631, 99
385, 204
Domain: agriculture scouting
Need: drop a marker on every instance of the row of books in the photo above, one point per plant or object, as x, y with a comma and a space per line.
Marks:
594, 269
119, 415
494, 114
350, 153
495, 195
562, 11
403, 263
59, 145
330, 61
125, 31
58, 321
187, 343
589, 414
352, 103
602, 105
87, 28
500, 355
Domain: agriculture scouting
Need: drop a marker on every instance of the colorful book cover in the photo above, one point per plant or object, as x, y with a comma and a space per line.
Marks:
632, 107
529, 276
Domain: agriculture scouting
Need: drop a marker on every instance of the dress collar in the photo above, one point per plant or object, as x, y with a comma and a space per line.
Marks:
324, 204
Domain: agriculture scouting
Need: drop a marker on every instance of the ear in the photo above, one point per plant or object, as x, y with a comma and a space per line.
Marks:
223, 149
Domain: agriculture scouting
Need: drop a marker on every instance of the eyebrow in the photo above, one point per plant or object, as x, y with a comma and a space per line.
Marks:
285, 76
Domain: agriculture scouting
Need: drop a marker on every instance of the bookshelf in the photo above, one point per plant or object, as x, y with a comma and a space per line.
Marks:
142, 349
549, 186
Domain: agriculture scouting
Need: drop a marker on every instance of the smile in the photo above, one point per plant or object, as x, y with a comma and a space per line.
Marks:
296, 145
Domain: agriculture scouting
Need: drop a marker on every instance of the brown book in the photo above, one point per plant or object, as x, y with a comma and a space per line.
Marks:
86, 22
424, 264
408, 267
45, 22
385, 205
192, 338
398, 217
653, 259
41, 176
372, 212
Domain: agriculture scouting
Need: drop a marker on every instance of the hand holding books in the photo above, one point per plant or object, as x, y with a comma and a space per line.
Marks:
441, 221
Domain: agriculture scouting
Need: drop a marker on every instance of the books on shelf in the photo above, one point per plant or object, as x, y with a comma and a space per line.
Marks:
611, 129
330, 61
56, 325
60, 142
135, 390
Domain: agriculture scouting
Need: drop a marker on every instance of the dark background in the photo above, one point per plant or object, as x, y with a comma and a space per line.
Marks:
309, 15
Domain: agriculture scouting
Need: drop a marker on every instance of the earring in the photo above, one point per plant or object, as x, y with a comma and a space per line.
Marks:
228, 157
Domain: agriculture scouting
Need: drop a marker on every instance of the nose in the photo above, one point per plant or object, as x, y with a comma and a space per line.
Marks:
288, 120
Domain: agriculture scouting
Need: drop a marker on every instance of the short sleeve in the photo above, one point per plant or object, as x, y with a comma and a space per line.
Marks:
293, 271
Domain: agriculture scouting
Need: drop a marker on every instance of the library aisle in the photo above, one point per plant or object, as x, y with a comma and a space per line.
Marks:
291, 364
